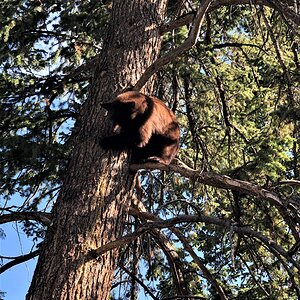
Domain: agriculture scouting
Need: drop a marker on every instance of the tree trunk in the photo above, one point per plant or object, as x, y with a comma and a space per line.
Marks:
92, 206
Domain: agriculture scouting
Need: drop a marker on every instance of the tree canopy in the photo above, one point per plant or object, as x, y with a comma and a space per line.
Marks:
222, 222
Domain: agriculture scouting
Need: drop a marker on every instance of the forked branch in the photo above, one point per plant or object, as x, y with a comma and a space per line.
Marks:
143, 214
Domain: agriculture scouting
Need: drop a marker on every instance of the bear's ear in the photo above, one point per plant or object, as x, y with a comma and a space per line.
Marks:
107, 105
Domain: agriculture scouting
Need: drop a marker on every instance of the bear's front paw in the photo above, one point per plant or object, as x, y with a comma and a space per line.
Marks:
155, 159
141, 144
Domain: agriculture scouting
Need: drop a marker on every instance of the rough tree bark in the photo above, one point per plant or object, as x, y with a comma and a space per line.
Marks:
91, 208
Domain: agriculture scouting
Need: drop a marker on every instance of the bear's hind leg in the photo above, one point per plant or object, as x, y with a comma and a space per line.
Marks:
169, 152
159, 149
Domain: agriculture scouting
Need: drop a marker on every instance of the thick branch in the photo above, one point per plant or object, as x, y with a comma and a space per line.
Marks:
18, 260
186, 45
181, 21
44, 218
124, 240
220, 181
270, 244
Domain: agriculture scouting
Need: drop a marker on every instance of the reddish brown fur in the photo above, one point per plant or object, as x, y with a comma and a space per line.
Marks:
146, 125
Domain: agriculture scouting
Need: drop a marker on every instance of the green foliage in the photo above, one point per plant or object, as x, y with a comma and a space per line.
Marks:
41, 45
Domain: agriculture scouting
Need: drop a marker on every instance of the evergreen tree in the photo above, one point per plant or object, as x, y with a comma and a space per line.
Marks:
222, 221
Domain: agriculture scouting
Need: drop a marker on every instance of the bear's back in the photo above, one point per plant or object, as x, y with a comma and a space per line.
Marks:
162, 117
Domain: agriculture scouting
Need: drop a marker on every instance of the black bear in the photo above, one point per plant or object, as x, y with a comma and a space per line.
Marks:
144, 124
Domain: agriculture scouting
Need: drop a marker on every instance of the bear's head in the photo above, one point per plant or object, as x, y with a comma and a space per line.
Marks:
127, 108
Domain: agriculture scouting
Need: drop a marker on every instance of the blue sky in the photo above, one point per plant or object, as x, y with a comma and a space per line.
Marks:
15, 281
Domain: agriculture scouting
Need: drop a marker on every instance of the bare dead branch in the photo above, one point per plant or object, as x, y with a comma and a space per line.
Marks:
174, 261
18, 260
140, 282
291, 182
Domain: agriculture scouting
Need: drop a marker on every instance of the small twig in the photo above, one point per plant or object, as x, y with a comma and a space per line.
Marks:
287, 182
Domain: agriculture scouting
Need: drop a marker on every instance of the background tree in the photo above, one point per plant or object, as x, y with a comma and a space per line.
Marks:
222, 225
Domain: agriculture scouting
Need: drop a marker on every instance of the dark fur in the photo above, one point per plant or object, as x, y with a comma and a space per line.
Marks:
144, 124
